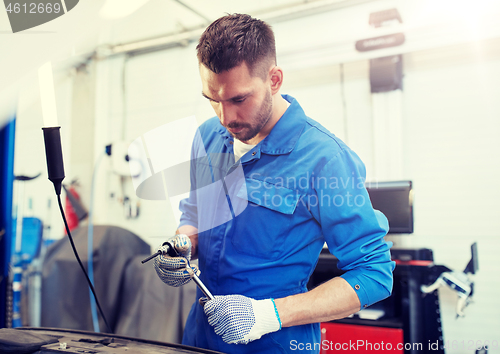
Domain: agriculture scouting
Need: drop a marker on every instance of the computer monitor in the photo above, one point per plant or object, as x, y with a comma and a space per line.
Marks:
395, 200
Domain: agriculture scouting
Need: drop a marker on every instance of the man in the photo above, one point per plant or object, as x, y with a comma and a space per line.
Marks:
303, 187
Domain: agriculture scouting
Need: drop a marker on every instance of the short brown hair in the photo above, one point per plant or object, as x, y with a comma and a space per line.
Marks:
233, 39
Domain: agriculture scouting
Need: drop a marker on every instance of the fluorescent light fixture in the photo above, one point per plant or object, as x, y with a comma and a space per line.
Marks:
113, 9
47, 95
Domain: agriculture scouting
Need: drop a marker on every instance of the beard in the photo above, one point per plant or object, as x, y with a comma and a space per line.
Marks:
250, 130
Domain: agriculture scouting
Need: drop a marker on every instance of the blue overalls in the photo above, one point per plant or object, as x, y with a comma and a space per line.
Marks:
263, 221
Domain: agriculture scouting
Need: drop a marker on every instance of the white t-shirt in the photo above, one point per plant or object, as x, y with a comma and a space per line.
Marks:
240, 149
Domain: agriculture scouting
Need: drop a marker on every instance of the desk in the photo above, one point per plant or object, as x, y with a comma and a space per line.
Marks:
410, 319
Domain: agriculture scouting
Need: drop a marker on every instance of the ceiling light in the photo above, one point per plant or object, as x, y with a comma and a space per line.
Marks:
113, 9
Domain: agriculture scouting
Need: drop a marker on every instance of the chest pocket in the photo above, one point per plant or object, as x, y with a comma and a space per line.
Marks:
261, 229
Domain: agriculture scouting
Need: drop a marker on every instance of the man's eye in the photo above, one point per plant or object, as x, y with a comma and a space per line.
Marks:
239, 100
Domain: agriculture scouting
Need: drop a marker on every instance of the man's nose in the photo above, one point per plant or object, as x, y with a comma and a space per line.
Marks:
227, 113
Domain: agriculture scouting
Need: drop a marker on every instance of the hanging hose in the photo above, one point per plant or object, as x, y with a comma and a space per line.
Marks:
90, 245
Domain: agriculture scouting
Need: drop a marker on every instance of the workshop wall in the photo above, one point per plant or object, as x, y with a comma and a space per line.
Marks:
452, 154
159, 88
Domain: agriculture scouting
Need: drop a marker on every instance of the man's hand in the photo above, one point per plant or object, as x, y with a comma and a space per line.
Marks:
239, 319
176, 271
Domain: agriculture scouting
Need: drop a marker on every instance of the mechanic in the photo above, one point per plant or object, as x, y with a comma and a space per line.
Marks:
269, 186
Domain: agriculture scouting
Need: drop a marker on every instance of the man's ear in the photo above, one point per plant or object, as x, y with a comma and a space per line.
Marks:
276, 78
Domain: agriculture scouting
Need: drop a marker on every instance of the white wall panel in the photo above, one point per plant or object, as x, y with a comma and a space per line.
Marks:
452, 153
160, 87
341, 106
318, 91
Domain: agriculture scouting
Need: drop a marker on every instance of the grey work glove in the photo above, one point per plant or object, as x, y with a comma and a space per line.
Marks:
176, 271
239, 319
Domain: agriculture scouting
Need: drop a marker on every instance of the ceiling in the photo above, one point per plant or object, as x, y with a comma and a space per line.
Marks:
167, 16
67, 39
80, 31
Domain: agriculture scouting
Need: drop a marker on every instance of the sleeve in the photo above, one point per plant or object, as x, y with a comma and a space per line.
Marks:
353, 230
188, 206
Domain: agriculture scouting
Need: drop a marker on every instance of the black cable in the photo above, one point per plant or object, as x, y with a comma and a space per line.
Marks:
80, 263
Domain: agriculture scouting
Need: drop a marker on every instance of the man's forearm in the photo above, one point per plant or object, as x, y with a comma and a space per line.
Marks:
332, 300
192, 232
